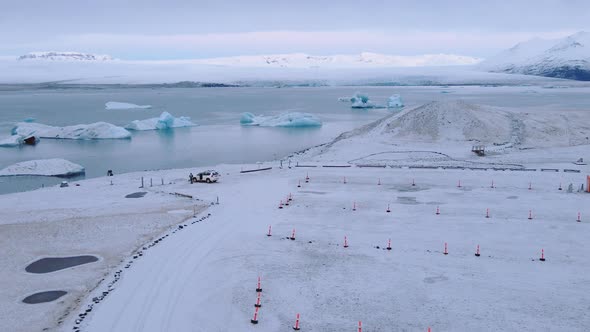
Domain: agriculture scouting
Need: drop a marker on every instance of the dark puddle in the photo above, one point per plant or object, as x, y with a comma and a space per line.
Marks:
43, 297
138, 194
51, 264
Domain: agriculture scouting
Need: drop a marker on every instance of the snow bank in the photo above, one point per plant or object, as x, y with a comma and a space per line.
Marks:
293, 120
395, 101
98, 130
165, 121
454, 121
115, 105
14, 140
45, 167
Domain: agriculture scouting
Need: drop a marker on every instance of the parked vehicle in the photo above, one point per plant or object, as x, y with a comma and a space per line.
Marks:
207, 176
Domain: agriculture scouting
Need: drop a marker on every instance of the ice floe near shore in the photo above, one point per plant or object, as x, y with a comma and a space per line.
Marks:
164, 121
44, 167
11, 141
395, 101
115, 105
293, 119
98, 130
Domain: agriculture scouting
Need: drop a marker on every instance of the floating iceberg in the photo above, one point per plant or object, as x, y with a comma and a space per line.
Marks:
165, 121
294, 119
44, 167
11, 141
395, 101
115, 105
98, 130
359, 100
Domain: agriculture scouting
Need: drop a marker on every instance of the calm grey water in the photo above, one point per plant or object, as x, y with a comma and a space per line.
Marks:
219, 138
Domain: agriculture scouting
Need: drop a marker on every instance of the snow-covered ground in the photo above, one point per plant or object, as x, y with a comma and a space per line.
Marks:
44, 167
202, 277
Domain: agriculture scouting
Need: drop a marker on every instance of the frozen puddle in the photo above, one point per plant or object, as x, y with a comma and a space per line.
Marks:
43, 297
51, 264
138, 194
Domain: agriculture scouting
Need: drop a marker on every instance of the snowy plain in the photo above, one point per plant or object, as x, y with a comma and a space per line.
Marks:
202, 277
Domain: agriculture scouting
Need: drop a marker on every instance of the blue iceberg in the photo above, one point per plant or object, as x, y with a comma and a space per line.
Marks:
360, 100
163, 122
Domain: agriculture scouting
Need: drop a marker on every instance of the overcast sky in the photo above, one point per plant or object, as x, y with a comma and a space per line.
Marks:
182, 29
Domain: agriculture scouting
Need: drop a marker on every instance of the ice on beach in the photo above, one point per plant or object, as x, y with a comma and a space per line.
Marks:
44, 167
293, 120
98, 130
395, 101
164, 121
115, 105
11, 141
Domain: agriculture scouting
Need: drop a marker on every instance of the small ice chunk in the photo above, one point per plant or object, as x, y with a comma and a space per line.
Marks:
164, 121
292, 120
395, 101
115, 105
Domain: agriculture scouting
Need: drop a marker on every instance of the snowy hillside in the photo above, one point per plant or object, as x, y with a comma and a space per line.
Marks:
65, 56
568, 57
453, 127
452, 120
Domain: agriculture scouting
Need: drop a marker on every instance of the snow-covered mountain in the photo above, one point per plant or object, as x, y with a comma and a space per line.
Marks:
365, 59
65, 56
568, 57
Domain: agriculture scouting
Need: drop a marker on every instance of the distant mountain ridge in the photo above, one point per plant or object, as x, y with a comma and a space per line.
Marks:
567, 58
65, 56
364, 59
291, 60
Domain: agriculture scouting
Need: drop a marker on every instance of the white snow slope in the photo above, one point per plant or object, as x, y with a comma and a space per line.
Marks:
568, 57
45, 167
203, 278
98, 130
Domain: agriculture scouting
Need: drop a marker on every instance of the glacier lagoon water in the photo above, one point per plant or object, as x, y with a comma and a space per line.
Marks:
219, 138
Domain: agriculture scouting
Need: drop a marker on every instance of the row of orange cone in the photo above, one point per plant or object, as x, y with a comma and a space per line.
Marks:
446, 251
493, 186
